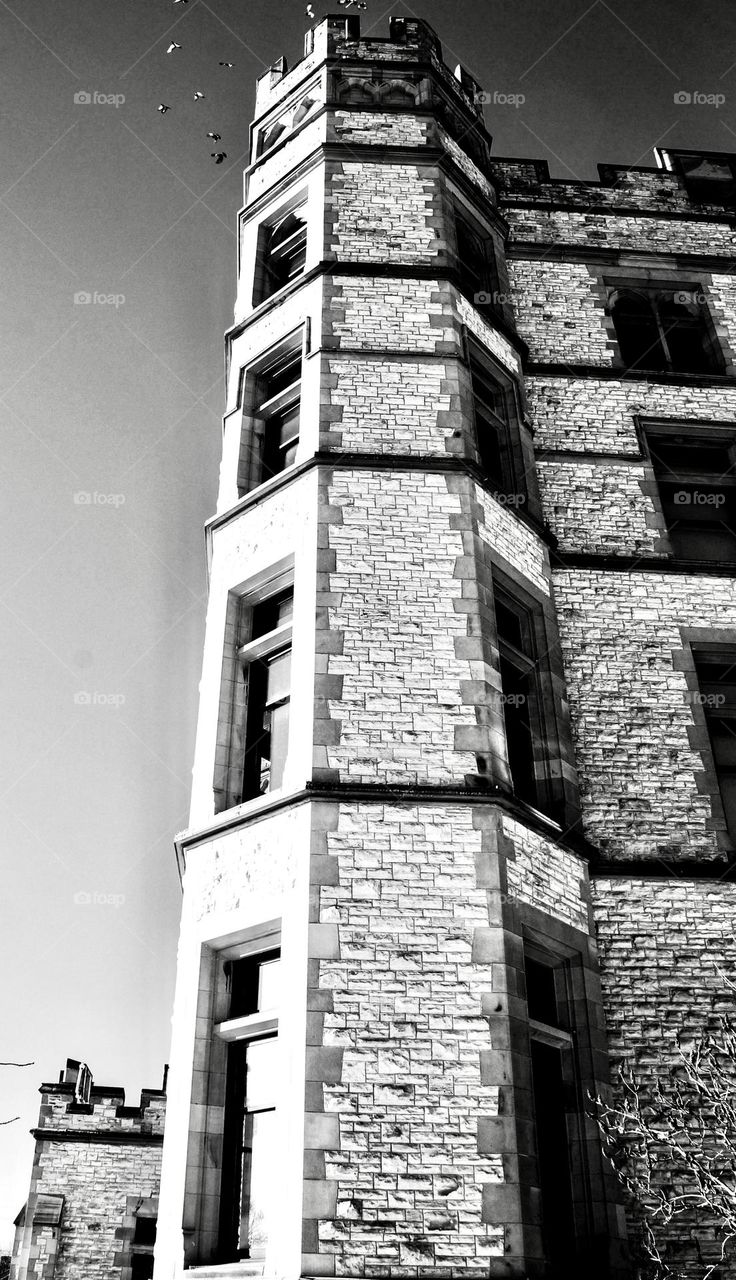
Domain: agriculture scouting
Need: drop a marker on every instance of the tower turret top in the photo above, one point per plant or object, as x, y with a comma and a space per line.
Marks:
338, 37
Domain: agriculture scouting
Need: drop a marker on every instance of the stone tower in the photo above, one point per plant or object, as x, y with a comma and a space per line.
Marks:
388, 1015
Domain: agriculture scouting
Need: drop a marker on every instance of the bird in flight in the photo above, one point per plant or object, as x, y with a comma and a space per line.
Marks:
309, 11
215, 136
197, 95
181, 1
226, 64
218, 156
173, 46
163, 108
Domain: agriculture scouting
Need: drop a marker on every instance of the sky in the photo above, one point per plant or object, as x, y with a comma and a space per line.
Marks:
117, 277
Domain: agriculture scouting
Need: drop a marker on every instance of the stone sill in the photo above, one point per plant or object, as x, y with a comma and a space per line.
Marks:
223, 1269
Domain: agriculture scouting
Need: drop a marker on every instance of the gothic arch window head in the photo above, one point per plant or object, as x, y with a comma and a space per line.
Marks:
664, 327
357, 92
398, 93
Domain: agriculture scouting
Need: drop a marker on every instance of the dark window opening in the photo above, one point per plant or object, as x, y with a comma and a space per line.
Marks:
303, 110
477, 266
253, 986
716, 671
522, 701
278, 400
555, 1183
493, 427
541, 995
710, 178
664, 329
282, 254
266, 660
141, 1266
250, 1170
554, 1094
269, 137
696, 480
145, 1231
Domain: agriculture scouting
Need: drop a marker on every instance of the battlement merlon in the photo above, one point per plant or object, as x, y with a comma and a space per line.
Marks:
337, 37
75, 1101
673, 186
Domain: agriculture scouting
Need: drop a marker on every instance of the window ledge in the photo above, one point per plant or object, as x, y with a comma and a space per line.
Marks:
266, 644
247, 1028
225, 1269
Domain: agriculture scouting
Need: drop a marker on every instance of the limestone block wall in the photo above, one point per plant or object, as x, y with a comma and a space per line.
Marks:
392, 628
406, 696
620, 231
381, 212
545, 876
100, 1157
576, 415
371, 127
621, 188
601, 508
96, 1179
406, 1015
637, 726
392, 405
415, 982
559, 313
393, 313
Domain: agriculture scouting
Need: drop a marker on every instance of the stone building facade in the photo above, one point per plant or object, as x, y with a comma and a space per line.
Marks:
93, 1202
464, 714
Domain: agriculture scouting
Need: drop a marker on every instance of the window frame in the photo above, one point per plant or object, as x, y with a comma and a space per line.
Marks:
240, 1033
655, 291
203, 1240
689, 435
482, 368
261, 413
285, 123
723, 650
240, 650
570, 1041
256, 654
674, 160
484, 293
544, 728
262, 277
